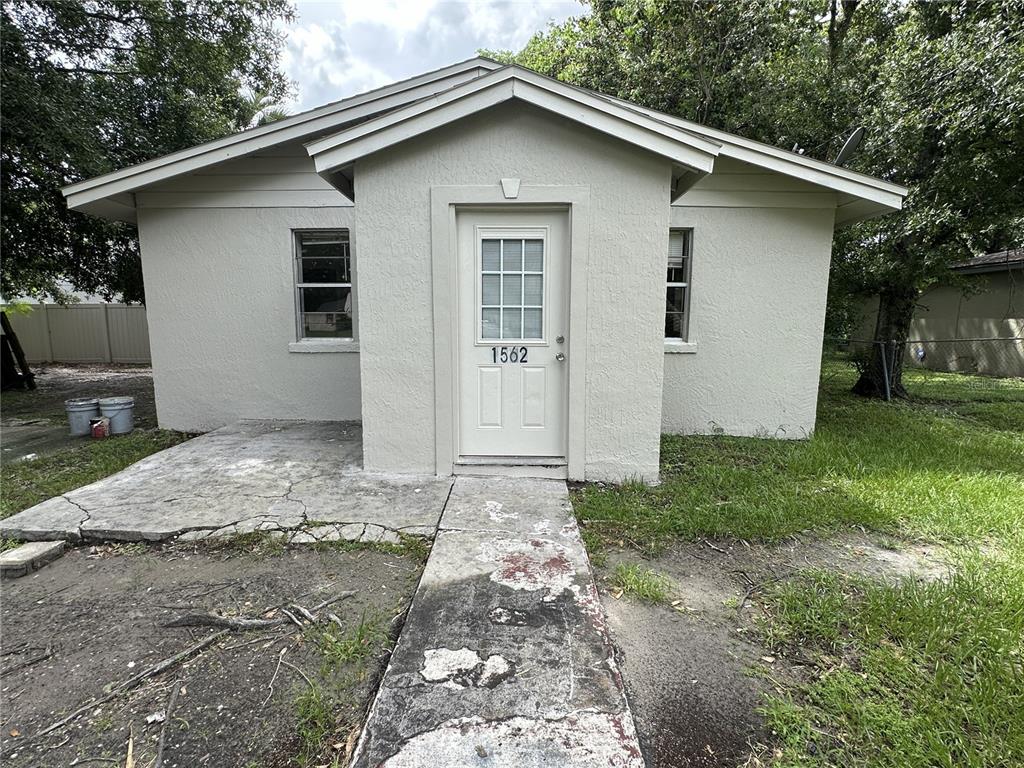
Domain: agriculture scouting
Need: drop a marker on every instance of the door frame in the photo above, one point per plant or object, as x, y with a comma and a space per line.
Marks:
444, 202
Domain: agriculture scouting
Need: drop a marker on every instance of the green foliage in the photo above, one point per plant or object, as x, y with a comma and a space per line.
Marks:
92, 87
31, 481
641, 583
916, 674
938, 86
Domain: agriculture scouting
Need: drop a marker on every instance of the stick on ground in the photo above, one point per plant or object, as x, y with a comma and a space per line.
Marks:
163, 728
133, 682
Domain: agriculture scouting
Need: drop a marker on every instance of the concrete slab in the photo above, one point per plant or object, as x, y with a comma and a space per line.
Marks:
505, 657
250, 476
29, 557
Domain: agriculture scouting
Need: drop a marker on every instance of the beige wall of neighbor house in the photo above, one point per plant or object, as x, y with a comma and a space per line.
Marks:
220, 296
626, 246
758, 286
989, 306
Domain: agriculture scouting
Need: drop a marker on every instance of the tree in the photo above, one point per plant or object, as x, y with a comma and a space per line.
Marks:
938, 87
89, 87
946, 112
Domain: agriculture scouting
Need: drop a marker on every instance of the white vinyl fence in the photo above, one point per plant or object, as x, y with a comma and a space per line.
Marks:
83, 333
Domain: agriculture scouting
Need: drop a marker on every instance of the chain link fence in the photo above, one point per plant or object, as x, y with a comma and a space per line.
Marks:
948, 370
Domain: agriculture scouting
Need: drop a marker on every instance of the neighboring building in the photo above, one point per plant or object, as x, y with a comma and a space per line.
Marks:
972, 323
493, 271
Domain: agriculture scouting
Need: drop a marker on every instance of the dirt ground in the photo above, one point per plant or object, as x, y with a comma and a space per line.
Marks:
34, 421
693, 669
95, 618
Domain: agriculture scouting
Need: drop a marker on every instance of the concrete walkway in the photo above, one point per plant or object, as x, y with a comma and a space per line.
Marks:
505, 659
300, 480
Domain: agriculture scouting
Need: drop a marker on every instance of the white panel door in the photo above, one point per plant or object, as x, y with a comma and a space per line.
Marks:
513, 332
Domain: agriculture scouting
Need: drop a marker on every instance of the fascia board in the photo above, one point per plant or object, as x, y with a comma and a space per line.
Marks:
280, 132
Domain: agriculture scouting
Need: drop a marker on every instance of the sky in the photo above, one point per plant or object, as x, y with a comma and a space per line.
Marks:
338, 48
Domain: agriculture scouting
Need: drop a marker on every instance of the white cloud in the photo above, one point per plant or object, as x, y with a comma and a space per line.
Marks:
340, 48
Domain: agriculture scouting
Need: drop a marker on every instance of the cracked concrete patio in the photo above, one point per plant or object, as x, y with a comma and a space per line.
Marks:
302, 481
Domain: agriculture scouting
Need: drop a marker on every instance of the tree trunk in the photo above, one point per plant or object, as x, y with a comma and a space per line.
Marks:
895, 311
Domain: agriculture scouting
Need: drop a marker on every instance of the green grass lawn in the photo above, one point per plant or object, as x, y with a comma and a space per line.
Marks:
951, 471
25, 483
904, 674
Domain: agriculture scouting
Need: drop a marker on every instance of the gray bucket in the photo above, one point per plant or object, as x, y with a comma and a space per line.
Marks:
80, 410
121, 412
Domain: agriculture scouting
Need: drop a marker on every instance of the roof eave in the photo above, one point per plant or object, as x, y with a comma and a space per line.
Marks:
81, 195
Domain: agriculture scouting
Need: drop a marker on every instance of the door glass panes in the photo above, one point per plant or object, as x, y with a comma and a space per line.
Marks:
512, 289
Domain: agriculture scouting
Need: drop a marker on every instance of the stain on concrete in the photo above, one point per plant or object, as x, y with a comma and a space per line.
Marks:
503, 660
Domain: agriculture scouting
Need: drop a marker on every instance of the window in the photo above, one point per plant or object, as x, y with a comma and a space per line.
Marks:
512, 288
323, 284
677, 290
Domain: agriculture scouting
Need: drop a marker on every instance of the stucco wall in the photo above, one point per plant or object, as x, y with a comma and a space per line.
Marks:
628, 239
221, 307
758, 288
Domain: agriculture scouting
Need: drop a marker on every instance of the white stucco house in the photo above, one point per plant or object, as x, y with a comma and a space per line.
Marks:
493, 271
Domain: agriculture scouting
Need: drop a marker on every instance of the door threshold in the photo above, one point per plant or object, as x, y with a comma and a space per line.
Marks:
513, 466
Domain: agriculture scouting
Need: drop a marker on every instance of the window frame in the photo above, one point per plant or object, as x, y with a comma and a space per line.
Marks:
686, 285
300, 338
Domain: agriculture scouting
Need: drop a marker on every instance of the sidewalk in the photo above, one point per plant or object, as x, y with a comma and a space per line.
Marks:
505, 658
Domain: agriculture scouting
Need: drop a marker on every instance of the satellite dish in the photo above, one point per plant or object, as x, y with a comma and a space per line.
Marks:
850, 146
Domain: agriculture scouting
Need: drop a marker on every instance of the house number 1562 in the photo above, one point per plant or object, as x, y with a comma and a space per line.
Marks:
508, 354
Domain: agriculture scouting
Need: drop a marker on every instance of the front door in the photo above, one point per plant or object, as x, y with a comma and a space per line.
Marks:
513, 333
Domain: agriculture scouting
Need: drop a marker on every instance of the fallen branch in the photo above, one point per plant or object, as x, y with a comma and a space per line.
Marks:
163, 728
133, 682
331, 601
712, 546
270, 685
196, 619
28, 662
304, 675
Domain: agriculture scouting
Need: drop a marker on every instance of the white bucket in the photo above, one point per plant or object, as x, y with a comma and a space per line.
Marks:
80, 410
121, 412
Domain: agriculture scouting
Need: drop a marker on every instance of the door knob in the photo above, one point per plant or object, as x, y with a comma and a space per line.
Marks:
559, 357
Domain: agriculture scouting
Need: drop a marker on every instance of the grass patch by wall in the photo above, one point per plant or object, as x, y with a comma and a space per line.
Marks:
953, 472
26, 483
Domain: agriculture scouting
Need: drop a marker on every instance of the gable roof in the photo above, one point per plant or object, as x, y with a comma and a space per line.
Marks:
338, 133
692, 156
106, 195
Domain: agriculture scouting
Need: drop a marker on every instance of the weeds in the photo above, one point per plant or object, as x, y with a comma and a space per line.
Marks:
340, 647
258, 543
641, 583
